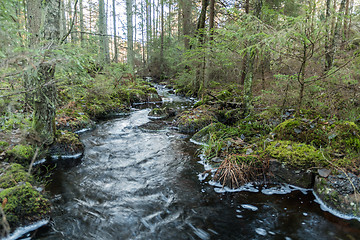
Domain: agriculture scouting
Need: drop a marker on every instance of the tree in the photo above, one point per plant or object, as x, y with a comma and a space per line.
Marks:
81, 7
104, 43
130, 43
115, 37
43, 80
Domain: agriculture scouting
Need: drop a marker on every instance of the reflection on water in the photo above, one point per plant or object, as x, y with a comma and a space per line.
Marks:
141, 183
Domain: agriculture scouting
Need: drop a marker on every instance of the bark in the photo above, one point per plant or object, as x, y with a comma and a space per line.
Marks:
142, 33
328, 56
199, 83
162, 38
250, 56
148, 29
211, 18
130, 49
335, 38
186, 21
104, 44
45, 93
245, 58
81, 7
115, 39
346, 21
34, 21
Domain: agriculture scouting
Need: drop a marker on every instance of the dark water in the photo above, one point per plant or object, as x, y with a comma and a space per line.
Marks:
139, 180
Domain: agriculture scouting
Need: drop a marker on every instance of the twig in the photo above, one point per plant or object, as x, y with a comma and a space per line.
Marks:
33, 160
72, 24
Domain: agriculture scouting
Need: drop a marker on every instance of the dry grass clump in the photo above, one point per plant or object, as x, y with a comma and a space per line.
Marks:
237, 169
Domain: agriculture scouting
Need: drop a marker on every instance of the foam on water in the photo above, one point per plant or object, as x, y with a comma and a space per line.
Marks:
249, 207
21, 231
326, 208
261, 231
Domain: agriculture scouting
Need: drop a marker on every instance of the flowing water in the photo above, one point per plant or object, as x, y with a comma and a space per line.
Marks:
140, 179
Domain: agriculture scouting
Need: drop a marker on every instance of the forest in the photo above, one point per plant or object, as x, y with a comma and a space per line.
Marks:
271, 80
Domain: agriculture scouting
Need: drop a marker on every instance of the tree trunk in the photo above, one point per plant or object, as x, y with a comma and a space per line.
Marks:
104, 44
130, 49
148, 29
142, 33
245, 57
81, 22
62, 19
346, 21
162, 39
115, 38
186, 21
45, 91
250, 56
335, 38
200, 72
328, 56
209, 51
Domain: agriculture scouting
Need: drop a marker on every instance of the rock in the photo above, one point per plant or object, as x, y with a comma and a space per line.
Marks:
203, 136
338, 193
324, 172
286, 173
249, 151
195, 119
161, 113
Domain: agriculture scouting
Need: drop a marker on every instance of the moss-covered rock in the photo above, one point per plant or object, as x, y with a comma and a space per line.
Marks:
299, 155
340, 192
203, 136
23, 204
66, 143
21, 154
341, 136
72, 118
161, 113
12, 174
195, 119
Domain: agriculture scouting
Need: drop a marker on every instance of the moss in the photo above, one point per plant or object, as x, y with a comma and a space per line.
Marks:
69, 141
346, 137
193, 121
72, 118
340, 136
224, 95
12, 174
295, 154
23, 204
3, 146
21, 153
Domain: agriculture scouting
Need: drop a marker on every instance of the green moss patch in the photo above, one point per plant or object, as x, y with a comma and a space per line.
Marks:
295, 154
23, 204
341, 137
21, 154
196, 119
12, 174
68, 142
72, 117
3, 146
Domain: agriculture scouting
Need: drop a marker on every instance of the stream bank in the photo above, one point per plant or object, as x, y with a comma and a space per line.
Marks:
155, 188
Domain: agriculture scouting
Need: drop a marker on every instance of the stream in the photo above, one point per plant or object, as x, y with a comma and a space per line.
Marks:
141, 179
